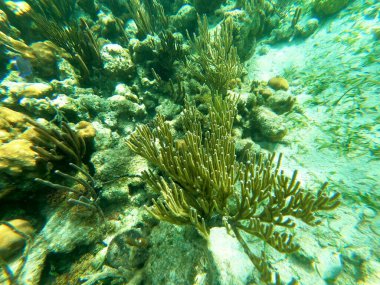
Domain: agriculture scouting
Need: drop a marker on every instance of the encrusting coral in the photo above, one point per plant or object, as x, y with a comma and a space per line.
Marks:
204, 185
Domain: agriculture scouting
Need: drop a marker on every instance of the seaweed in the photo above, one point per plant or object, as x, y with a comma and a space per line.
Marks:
167, 51
60, 11
54, 145
148, 15
76, 39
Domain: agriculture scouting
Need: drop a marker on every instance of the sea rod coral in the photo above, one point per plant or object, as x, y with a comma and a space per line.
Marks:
205, 186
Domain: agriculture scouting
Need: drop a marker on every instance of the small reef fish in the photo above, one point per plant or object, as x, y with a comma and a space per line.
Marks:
23, 66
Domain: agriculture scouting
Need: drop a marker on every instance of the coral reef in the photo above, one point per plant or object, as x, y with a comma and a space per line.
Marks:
149, 16
270, 125
118, 114
117, 61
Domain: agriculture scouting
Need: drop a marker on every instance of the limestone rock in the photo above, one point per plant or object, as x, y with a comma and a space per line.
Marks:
246, 146
128, 250
232, 263
124, 90
182, 252
185, 19
307, 29
63, 232
280, 102
168, 109
271, 125
247, 28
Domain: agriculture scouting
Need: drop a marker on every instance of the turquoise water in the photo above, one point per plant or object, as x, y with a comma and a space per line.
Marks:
140, 142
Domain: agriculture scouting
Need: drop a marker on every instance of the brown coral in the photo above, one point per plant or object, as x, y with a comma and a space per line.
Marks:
278, 83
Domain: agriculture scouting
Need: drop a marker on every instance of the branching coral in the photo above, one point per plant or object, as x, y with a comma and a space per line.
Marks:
215, 62
205, 186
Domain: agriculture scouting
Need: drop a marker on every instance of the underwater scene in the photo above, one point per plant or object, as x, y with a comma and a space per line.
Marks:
189, 142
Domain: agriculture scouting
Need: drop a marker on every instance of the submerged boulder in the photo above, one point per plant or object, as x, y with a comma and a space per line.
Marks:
117, 61
329, 7
270, 125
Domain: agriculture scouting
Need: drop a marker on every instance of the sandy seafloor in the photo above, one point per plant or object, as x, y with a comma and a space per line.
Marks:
335, 141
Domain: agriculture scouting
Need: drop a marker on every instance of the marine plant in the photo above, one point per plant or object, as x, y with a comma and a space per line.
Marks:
167, 51
215, 61
65, 144
207, 6
76, 39
148, 15
117, 6
201, 183
56, 145
59, 11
